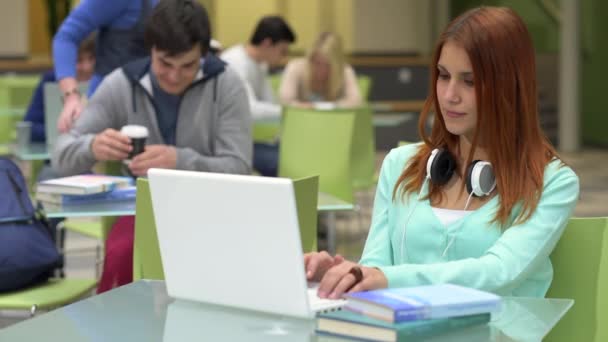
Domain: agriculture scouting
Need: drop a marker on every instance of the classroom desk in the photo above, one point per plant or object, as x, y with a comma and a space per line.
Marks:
326, 203
380, 119
143, 311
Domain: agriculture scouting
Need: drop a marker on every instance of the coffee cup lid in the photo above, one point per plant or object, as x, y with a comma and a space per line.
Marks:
134, 131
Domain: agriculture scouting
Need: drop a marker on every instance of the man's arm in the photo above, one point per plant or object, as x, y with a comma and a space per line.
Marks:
88, 16
73, 153
233, 141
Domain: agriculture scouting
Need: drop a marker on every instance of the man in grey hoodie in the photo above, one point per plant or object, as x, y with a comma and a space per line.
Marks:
194, 107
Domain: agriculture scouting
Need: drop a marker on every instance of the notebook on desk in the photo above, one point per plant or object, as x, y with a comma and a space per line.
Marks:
232, 240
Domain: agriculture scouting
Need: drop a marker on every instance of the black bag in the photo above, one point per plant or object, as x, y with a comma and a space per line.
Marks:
28, 253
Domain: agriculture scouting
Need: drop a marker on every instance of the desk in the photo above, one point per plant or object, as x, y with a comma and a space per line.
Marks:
326, 203
378, 119
31, 152
142, 311
392, 119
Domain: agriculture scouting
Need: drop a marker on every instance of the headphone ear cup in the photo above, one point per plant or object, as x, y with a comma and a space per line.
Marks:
469, 177
441, 165
480, 179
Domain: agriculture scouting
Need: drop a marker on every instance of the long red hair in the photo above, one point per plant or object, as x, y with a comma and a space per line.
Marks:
504, 70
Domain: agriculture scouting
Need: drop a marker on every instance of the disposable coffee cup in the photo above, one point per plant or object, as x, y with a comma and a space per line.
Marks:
24, 134
138, 135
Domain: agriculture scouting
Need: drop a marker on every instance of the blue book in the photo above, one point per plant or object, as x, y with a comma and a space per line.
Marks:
422, 302
353, 325
118, 194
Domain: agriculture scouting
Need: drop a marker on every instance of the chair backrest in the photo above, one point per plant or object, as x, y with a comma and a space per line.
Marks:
580, 262
306, 191
146, 253
365, 86
318, 143
363, 152
53, 107
147, 262
15, 95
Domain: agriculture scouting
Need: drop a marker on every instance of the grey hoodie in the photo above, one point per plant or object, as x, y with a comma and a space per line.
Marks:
213, 131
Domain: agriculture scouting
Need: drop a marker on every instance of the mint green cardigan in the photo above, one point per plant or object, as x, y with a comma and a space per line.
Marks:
509, 262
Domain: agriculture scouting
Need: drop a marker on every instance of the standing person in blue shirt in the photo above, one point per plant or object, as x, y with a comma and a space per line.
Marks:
85, 65
484, 199
120, 26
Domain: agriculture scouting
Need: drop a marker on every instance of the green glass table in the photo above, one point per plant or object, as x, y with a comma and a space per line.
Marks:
143, 311
326, 203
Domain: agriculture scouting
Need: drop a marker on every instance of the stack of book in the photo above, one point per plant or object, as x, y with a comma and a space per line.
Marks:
401, 313
91, 188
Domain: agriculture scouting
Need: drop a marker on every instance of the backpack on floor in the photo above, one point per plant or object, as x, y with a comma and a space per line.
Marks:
28, 253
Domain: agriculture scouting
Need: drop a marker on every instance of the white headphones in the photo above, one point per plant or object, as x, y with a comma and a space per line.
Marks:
440, 167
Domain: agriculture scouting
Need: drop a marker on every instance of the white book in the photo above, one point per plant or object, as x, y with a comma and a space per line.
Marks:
83, 184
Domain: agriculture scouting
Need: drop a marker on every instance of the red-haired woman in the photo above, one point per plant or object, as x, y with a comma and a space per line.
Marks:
483, 200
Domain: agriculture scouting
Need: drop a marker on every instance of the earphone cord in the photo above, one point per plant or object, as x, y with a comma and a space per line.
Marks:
408, 219
454, 237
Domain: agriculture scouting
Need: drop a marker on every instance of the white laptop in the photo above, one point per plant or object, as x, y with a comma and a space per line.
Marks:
232, 240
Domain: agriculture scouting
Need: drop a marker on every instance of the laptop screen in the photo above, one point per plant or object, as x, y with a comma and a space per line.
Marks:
230, 240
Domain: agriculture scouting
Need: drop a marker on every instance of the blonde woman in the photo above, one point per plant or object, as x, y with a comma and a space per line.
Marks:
321, 79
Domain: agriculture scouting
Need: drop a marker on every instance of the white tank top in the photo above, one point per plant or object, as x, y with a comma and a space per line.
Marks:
449, 216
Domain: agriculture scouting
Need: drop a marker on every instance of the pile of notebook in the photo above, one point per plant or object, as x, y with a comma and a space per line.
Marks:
401, 313
90, 188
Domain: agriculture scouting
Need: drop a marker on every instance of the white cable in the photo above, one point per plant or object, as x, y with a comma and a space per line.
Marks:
468, 201
454, 237
408, 218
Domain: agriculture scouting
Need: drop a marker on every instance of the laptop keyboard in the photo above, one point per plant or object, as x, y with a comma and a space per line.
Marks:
318, 304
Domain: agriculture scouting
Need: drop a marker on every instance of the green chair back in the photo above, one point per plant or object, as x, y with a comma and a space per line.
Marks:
363, 152
147, 263
580, 262
318, 143
365, 86
306, 192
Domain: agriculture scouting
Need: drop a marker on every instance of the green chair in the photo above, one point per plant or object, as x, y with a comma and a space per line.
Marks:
15, 95
146, 253
580, 262
306, 192
365, 86
363, 153
319, 143
147, 263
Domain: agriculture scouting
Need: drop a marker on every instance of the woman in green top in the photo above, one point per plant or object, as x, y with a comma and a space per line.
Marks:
427, 228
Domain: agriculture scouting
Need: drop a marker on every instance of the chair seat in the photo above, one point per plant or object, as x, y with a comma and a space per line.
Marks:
54, 293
